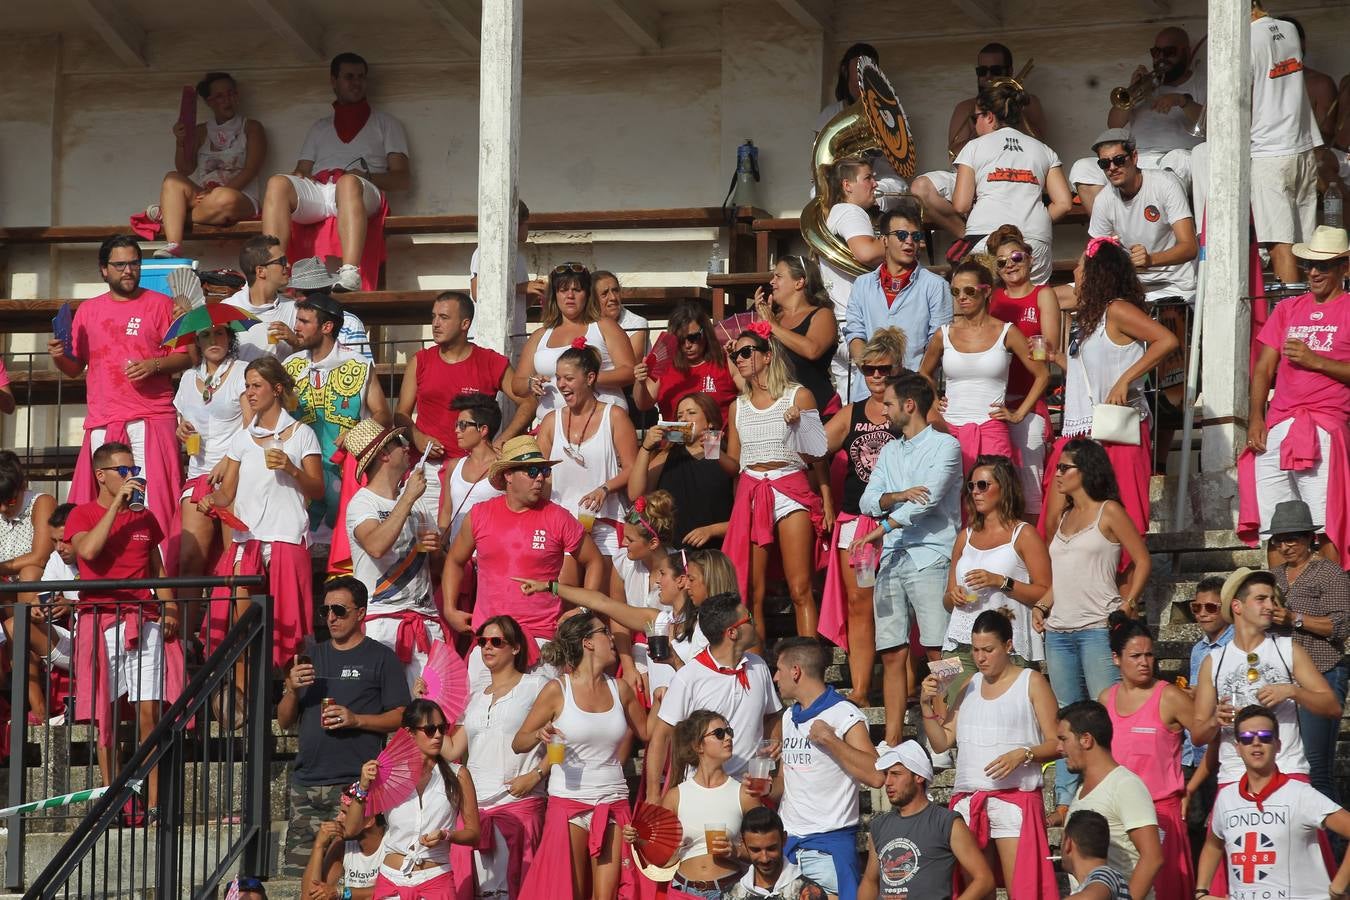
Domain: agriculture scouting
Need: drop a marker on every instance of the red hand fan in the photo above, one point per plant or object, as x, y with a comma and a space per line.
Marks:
660, 828
659, 360
399, 764
229, 518
730, 328
447, 681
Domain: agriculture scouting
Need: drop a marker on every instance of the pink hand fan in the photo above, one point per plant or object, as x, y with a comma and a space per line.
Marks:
447, 680
399, 764
730, 328
659, 360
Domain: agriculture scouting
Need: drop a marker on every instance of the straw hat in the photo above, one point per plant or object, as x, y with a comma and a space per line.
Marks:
366, 439
1328, 242
517, 453
1233, 583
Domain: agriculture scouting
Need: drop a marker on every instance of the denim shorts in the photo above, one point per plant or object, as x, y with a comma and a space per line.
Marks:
904, 591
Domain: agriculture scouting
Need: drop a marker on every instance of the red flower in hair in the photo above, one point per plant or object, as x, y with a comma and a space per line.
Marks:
579, 343
640, 504
761, 328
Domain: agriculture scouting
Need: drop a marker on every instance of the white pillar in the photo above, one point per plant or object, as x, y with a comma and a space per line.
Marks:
1227, 317
498, 168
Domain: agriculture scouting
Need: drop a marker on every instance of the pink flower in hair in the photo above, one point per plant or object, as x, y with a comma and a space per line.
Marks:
761, 328
1096, 244
579, 343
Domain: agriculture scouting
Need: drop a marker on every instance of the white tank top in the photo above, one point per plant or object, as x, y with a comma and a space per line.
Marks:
1083, 569
700, 806
986, 729
546, 366
571, 479
975, 381
591, 770
764, 433
360, 869
1001, 560
224, 155
465, 495
1274, 660
1103, 361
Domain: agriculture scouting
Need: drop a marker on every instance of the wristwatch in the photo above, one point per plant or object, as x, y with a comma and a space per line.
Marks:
1008, 585
1298, 621
1028, 757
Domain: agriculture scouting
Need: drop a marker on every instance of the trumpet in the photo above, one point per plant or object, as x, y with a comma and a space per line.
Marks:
1138, 92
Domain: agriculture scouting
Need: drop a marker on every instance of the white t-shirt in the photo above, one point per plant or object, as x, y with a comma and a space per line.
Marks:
1282, 116
1273, 851
1124, 801
218, 419
400, 579
57, 569
1147, 218
1010, 169
847, 221
490, 727
632, 323
818, 794
381, 135
517, 325
698, 687
253, 343
1160, 132
268, 500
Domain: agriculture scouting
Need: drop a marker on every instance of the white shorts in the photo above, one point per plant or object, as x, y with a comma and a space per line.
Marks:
783, 505
1028, 436
480, 677
136, 674
1042, 265
1005, 819
385, 631
1275, 485
943, 181
1284, 197
847, 532
315, 202
606, 539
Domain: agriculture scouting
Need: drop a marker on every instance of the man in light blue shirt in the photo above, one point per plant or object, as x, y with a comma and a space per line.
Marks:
901, 293
915, 491
1214, 632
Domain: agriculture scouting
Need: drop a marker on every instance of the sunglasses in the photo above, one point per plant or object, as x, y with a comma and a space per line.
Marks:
1061, 468
870, 371
403, 440
1198, 607
279, 261
1322, 265
979, 487
722, 734
748, 620
903, 236
569, 268
1075, 339
246, 883
1119, 161
432, 730
465, 426
696, 337
334, 610
1264, 736
1016, 258
986, 71
973, 293
537, 471
124, 471
745, 352
494, 641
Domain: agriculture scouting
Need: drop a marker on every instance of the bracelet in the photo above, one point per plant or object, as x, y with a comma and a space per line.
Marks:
553, 587
1042, 609
359, 793
933, 716
887, 526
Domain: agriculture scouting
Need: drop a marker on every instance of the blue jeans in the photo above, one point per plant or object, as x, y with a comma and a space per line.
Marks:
1319, 735
1080, 669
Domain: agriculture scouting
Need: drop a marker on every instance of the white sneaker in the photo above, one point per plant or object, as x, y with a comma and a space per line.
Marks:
168, 251
348, 279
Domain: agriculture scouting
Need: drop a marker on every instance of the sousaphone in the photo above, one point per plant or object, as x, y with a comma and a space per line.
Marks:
875, 123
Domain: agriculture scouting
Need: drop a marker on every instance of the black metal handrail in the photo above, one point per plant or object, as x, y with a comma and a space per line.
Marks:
164, 747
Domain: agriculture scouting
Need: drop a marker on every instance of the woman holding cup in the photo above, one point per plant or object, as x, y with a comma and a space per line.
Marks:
695, 364
687, 464
1034, 311
710, 804
276, 460
596, 717
860, 430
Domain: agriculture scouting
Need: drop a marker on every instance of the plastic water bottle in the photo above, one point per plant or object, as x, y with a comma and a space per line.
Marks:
715, 258
1333, 206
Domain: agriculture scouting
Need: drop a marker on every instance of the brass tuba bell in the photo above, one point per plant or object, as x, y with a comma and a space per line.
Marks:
876, 122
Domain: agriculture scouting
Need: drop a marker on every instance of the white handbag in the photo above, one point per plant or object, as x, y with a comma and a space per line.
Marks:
1112, 423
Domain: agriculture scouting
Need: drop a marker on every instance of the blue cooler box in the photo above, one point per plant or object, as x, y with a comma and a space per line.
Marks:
155, 272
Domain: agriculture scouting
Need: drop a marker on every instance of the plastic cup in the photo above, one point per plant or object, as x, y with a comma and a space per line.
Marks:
272, 337
557, 749
714, 831
760, 775
587, 518
863, 558
712, 443
658, 647
193, 443
1038, 348
274, 455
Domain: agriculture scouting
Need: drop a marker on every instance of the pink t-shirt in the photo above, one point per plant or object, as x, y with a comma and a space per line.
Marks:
106, 334
1325, 328
527, 544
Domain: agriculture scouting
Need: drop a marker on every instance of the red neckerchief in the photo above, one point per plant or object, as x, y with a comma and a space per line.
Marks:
738, 673
891, 286
1277, 781
349, 119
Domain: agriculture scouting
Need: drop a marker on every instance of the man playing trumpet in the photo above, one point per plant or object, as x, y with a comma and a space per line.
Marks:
1160, 107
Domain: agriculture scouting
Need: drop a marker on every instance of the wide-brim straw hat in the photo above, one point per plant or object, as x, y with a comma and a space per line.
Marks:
1328, 242
517, 453
366, 439
1232, 584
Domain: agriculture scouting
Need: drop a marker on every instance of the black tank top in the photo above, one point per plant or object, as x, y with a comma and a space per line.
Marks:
813, 374
862, 445
702, 490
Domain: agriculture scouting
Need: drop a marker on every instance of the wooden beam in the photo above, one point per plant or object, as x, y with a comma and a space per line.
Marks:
109, 20
984, 12
638, 23
813, 15
294, 25
462, 18
1161, 6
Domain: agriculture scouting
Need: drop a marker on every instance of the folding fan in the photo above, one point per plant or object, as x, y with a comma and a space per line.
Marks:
396, 779
447, 680
663, 351
660, 829
183, 282
731, 327
229, 518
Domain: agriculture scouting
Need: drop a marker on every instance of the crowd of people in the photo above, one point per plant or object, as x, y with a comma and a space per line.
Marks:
881, 453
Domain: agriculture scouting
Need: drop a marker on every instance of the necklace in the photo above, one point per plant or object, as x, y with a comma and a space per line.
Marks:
210, 385
573, 450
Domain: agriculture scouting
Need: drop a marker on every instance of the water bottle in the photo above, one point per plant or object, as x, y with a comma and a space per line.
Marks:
1333, 206
715, 258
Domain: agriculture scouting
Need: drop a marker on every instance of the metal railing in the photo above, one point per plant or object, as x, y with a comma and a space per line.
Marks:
205, 753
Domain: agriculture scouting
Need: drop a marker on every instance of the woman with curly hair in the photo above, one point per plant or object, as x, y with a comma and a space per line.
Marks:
776, 502
1113, 345
802, 319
